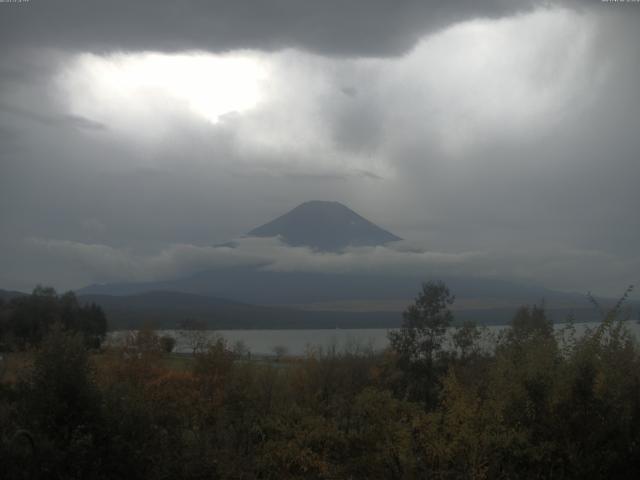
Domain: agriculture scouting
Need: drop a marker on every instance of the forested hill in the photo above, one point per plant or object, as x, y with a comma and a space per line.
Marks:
9, 294
169, 309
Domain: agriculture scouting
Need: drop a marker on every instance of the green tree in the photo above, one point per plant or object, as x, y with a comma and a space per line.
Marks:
530, 322
31, 316
466, 340
28, 319
60, 405
419, 341
167, 343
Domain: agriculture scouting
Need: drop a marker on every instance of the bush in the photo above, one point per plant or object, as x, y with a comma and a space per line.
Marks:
167, 343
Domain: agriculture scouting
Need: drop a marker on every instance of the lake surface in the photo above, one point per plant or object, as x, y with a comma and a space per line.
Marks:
298, 342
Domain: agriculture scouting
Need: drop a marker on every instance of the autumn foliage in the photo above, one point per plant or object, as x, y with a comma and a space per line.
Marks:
533, 402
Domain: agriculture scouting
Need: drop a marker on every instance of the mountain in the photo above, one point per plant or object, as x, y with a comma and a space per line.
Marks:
325, 226
163, 309
259, 286
7, 295
266, 299
162, 299
166, 310
262, 298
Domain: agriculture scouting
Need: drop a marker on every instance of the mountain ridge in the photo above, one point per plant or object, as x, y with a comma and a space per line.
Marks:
251, 294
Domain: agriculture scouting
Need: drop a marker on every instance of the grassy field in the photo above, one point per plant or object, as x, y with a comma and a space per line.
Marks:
176, 361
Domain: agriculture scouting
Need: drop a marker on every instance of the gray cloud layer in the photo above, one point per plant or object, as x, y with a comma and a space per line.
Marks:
356, 27
497, 128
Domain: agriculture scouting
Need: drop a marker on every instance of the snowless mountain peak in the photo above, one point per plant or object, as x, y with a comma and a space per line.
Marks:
325, 226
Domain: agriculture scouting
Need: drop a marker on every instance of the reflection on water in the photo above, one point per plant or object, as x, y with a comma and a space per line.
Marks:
298, 342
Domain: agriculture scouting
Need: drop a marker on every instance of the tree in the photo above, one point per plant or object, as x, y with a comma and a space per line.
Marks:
167, 343
531, 321
240, 349
425, 324
61, 393
59, 404
466, 338
32, 316
144, 342
279, 351
194, 334
418, 343
29, 318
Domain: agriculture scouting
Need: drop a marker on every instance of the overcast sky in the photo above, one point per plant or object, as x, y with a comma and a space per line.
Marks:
499, 138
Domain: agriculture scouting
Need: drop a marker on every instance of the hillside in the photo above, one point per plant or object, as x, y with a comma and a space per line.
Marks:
163, 309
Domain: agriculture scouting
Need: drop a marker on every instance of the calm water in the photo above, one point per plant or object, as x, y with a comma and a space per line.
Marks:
298, 342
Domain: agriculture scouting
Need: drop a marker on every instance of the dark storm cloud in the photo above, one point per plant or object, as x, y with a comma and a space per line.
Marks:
362, 27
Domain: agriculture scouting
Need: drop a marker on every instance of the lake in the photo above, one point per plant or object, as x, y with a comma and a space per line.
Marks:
298, 342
